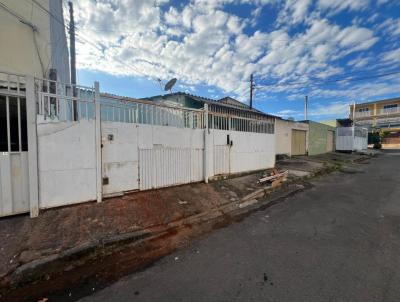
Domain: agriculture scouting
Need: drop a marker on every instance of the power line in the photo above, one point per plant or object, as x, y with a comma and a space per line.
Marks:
84, 39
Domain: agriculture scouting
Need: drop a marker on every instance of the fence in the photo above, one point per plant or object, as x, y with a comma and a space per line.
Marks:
84, 148
351, 138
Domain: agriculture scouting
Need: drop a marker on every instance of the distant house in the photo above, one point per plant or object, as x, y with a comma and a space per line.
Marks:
321, 138
229, 107
291, 138
381, 115
33, 39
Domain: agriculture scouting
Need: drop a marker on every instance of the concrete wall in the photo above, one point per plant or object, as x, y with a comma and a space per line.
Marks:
137, 157
18, 51
317, 137
283, 134
67, 163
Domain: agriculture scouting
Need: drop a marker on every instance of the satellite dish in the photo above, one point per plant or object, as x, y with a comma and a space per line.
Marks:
170, 84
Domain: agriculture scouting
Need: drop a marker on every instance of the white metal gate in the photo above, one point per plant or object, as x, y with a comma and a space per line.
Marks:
14, 178
164, 166
222, 159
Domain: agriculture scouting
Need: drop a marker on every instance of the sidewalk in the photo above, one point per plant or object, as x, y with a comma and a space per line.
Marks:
71, 236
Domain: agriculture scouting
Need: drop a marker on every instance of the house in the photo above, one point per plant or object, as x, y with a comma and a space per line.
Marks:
33, 40
291, 138
381, 115
321, 138
231, 114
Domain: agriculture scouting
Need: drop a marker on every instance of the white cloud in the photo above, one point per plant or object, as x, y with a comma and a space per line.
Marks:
392, 56
294, 11
201, 43
330, 109
336, 6
391, 27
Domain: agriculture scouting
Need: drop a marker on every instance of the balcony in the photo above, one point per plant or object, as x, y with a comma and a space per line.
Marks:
389, 111
363, 114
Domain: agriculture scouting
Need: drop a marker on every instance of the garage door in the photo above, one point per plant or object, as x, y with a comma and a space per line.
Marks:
298, 142
330, 142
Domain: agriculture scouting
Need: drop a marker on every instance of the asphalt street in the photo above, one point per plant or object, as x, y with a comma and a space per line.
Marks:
338, 241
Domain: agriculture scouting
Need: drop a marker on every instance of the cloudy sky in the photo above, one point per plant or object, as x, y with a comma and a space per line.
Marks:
335, 51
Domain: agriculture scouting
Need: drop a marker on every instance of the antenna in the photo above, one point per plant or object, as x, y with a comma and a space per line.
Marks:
159, 82
170, 84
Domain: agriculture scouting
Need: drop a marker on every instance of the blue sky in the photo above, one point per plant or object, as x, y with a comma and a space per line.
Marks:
336, 52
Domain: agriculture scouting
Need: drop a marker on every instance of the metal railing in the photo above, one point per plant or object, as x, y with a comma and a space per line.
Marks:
363, 114
152, 114
12, 84
229, 122
388, 111
64, 102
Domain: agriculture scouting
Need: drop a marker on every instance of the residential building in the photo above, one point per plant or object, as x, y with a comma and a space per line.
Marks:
33, 39
291, 138
382, 114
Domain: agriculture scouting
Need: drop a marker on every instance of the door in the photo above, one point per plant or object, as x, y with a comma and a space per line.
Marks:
14, 182
330, 141
298, 142
120, 159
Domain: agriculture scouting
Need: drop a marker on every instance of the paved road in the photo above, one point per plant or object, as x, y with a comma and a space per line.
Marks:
339, 241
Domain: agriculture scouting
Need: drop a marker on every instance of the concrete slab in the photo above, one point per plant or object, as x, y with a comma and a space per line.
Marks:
298, 173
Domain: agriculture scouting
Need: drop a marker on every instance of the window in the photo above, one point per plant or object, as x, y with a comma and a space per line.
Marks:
363, 109
390, 106
13, 124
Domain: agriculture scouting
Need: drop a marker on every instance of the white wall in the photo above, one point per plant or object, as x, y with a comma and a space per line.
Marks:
137, 157
283, 134
67, 163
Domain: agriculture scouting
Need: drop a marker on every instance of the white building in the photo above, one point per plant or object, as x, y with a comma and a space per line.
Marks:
33, 39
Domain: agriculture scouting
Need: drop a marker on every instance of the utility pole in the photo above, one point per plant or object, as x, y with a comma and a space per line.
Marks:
306, 108
73, 56
251, 90
354, 122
